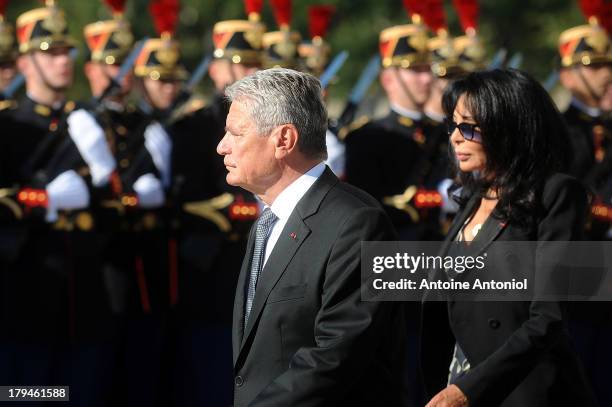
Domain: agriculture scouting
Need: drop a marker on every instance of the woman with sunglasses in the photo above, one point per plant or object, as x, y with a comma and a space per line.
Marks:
509, 144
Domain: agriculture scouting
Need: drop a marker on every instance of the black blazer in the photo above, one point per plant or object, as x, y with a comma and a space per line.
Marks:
519, 352
310, 339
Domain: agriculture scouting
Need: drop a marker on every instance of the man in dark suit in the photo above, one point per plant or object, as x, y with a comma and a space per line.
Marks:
301, 333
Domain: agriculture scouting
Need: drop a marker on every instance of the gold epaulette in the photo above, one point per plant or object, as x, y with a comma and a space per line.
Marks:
69, 106
194, 104
354, 125
210, 209
7, 104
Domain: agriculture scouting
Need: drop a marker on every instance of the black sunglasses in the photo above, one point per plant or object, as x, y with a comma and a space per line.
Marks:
467, 130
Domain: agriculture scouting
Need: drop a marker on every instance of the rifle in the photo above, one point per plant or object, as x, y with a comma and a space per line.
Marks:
498, 59
368, 75
333, 68
516, 61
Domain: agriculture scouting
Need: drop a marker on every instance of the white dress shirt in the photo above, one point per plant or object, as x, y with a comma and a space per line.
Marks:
287, 200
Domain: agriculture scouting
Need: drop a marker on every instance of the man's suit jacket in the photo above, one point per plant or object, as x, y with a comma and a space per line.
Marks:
310, 340
519, 352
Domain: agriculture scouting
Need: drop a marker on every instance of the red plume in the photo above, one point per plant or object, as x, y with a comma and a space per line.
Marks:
319, 18
282, 11
118, 6
165, 15
591, 8
434, 16
605, 17
415, 7
3, 5
253, 6
468, 13
601, 9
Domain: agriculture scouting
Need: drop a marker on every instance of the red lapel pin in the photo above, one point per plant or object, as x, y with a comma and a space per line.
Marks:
293, 235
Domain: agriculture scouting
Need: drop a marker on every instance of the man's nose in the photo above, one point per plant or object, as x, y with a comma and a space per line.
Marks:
222, 147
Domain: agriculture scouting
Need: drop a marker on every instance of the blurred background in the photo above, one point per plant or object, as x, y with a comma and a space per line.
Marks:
530, 27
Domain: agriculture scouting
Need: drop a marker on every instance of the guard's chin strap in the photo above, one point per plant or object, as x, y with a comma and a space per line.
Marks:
232, 73
407, 91
57, 89
590, 90
120, 95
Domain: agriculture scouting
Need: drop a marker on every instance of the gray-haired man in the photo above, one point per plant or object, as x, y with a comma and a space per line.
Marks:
301, 334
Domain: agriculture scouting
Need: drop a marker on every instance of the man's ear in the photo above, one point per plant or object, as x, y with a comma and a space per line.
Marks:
285, 140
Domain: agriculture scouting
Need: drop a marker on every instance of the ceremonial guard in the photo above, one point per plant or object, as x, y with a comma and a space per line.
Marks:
238, 53
55, 159
586, 72
398, 158
212, 221
451, 57
130, 209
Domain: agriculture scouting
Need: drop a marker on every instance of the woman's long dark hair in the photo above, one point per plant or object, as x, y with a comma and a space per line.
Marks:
523, 135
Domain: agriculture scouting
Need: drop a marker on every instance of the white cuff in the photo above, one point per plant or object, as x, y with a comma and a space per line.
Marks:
150, 191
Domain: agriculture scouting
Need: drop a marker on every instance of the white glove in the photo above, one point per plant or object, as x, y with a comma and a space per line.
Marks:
67, 191
150, 191
91, 142
159, 145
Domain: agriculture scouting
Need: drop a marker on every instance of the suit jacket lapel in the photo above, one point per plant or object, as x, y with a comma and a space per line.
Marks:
458, 223
291, 238
281, 255
238, 315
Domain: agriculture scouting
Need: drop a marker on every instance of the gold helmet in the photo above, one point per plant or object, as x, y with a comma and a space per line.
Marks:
444, 59
469, 48
42, 29
280, 47
109, 41
160, 57
239, 41
8, 46
315, 53
405, 46
589, 43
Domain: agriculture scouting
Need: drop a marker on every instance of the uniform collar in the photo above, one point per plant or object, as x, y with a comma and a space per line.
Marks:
412, 114
588, 110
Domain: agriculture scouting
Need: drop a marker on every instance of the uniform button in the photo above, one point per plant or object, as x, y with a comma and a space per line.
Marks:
124, 163
122, 146
121, 130
238, 381
494, 323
